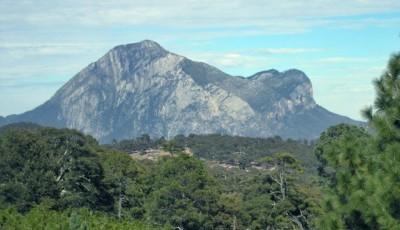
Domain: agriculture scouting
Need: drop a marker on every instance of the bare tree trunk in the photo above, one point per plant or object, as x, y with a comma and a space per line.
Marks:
120, 202
282, 185
62, 168
297, 222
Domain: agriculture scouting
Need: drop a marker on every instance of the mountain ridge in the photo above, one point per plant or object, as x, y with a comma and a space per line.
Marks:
142, 88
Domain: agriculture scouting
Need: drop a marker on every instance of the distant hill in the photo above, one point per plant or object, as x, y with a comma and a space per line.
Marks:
20, 126
232, 150
142, 88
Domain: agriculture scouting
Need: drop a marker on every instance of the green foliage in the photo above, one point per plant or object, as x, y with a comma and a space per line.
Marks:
229, 149
124, 181
58, 164
183, 195
61, 179
276, 198
285, 203
71, 171
384, 117
363, 171
244, 150
25, 178
43, 218
139, 144
335, 146
173, 146
345, 151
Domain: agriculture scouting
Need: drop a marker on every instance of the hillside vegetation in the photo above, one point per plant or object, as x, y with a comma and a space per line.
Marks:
234, 150
76, 181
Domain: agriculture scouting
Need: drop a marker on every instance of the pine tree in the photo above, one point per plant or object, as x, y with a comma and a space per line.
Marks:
362, 172
346, 170
384, 117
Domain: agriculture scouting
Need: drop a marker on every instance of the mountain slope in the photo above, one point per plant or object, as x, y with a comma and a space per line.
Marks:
142, 88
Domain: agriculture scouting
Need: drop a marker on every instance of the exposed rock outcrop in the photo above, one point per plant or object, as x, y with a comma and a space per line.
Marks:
142, 88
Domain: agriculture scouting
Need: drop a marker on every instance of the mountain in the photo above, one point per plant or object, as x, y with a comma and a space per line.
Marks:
142, 88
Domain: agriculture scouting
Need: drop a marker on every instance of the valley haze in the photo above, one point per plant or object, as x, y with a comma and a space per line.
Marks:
141, 88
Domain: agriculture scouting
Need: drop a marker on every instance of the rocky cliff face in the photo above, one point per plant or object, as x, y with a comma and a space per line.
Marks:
142, 88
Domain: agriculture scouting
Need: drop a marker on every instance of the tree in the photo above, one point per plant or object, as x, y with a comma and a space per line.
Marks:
124, 181
183, 194
328, 148
283, 166
79, 173
173, 146
363, 171
346, 164
384, 117
50, 163
25, 173
277, 199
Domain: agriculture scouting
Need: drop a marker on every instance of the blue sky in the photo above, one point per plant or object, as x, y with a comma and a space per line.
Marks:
341, 45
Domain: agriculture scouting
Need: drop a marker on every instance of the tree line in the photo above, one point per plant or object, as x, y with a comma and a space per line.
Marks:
74, 180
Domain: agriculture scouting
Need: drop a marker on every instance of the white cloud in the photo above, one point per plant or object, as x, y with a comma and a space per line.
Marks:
27, 49
31, 70
269, 16
288, 50
226, 60
341, 59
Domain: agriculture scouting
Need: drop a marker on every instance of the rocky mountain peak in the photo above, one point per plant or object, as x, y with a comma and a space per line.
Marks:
134, 53
143, 47
264, 74
149, 44
129, 60
141, 88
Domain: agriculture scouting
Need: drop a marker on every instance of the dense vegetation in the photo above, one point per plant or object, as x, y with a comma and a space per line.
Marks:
56, 177
44, 217
61, 179
225, 148
361, 171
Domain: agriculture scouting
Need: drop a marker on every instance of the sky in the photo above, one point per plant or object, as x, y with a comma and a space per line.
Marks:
342, 45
